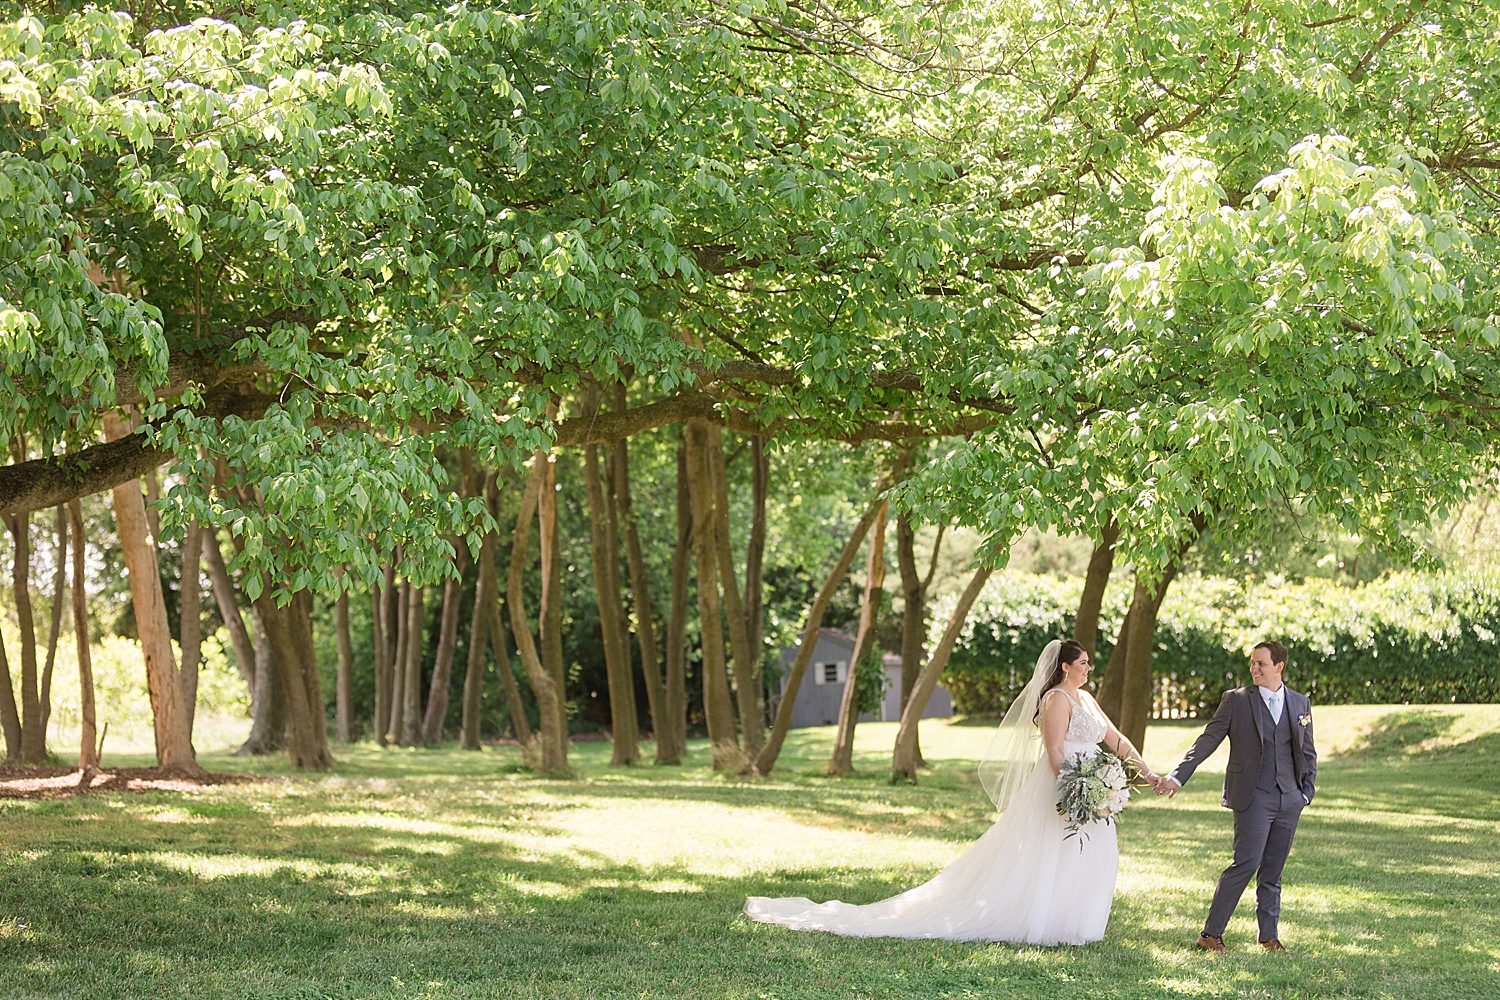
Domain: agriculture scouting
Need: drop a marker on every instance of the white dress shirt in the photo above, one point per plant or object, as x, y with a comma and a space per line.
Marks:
1274, 700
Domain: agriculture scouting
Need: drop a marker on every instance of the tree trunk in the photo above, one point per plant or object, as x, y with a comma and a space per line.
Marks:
416, 628
190, 597
640, 596
1086, 625
767, 759
10, 719
602, 551
382, 662
442, 668
755, 617
550, 620
676, 651
88, 736
174, 748
914, 589
391, 617
479, 628
1135, 699
343, 695
229, 610
281, 635
268, 706
398, 666
302, 612
519, 724
841, 762
1112, 687
59, 586
718, 708
33, 736
549, 694
904, 762
746, 682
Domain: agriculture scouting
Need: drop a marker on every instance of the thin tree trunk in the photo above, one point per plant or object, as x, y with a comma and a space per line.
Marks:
343, 695
676, 651
174, 748
550, 618
152, 482
229, 610
718, 708
914, 589
622, 710
904, 762
390, 623
746, 684
755, 552
549, 694
767, 759
519, 724
416, 627
10, 719
190, 596
33, 737
640, 596
442, 668
59, 586
398, 666
382, 664
484, 590
312, 680
1086, 625
88, 737
841, 762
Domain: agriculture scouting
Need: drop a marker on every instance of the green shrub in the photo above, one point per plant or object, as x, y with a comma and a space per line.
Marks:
1408, 638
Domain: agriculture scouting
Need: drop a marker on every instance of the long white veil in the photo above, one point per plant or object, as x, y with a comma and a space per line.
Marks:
1017, 744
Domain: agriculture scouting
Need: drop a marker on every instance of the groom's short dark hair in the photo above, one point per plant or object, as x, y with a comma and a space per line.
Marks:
1276, 649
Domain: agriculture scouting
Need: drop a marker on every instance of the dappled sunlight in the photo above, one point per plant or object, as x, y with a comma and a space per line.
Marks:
439, 866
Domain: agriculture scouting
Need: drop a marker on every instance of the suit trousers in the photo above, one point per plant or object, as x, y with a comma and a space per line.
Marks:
1263, 833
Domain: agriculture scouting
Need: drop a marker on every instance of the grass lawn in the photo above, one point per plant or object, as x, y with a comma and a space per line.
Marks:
437, 873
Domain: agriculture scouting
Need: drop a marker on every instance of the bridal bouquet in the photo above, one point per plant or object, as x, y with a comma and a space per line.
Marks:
1091, 788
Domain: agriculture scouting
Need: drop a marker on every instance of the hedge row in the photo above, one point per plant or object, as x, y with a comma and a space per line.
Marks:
1407, 638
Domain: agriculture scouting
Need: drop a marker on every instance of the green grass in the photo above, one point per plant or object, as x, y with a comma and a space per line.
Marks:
443, 874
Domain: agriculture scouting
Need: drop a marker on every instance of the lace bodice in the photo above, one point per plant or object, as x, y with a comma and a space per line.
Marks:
1084, 728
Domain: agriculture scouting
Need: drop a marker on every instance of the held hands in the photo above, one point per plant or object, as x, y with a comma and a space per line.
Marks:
1163, 785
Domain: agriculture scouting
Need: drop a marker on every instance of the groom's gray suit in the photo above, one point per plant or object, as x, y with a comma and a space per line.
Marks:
1272, 769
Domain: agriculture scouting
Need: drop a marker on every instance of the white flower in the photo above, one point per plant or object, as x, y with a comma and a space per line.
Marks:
1116, 800
1113, 775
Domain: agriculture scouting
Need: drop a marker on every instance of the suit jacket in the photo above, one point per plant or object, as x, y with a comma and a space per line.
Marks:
1241, 717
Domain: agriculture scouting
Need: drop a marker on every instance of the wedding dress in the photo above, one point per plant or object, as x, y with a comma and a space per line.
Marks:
1024, 881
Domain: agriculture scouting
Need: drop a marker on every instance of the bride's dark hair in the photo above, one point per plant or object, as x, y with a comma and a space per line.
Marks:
1067, 653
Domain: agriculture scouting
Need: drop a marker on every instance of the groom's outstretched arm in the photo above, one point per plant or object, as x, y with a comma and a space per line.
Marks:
1204, 746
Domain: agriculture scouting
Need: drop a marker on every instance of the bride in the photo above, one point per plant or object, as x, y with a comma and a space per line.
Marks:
1024, 881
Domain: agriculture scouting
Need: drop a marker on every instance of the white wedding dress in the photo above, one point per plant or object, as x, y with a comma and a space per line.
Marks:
1025, 881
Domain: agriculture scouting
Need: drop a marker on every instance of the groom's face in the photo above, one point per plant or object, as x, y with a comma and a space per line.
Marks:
1265, 673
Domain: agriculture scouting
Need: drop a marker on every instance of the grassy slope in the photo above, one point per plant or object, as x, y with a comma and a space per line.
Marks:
443, 874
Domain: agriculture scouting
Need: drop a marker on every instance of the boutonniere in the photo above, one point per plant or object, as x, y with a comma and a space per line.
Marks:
1304, 721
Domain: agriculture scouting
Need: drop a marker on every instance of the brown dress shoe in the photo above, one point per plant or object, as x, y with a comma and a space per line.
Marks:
1210, 943
1272, 945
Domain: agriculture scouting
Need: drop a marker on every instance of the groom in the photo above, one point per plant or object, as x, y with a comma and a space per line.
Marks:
1272, 767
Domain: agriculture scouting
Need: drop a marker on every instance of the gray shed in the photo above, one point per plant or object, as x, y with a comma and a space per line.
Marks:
822, 687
